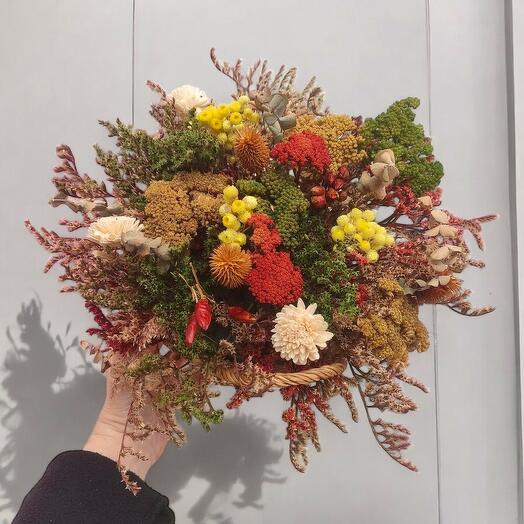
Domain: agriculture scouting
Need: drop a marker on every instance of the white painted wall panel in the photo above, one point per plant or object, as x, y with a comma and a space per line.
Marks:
63, 64
66, 63
477, 364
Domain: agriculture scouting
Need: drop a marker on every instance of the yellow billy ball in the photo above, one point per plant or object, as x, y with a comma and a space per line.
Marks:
390, 240
372, 256
237, 206
364, 245
342, 220
244, 216
355, 213
368, 215
368, 233
379, 240
230, 194
224, 208
337, 233
231, 221
349, 228
361, 225
227, 237
250, 202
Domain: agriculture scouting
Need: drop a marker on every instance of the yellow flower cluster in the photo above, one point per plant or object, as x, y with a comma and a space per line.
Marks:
235, 212
341, 134
175, 209
225, 119
396, 330
359, 230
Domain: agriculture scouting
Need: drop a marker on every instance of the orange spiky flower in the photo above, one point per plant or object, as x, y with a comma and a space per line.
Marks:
230, 265
440, 294
251, 149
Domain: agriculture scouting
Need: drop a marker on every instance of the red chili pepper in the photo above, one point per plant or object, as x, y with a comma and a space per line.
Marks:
191, 330
203, 313
240, 314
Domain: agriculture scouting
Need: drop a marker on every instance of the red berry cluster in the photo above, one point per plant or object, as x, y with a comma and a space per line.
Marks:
333, 188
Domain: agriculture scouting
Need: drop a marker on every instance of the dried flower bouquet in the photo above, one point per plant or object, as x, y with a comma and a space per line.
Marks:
263, 243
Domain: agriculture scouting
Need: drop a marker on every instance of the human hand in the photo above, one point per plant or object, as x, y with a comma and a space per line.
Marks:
107, 436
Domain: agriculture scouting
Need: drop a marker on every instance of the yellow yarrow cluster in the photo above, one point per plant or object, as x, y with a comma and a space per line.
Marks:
235, 212
342, 136
359, 230
225, 119
395, 330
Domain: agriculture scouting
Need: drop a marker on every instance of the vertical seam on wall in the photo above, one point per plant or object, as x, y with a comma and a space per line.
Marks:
133, 64
434, 307
510, 101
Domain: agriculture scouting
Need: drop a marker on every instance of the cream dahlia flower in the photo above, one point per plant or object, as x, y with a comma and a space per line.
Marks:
188, 97
299, 333
112, 230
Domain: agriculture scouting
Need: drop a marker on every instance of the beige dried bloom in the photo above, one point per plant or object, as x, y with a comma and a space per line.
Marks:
111, 230
299, 333
188, 97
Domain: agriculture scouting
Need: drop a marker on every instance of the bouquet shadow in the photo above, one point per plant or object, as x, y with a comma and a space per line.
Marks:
47, 406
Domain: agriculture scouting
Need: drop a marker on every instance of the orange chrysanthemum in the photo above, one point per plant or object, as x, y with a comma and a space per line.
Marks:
251, 150
441, 294
230, 265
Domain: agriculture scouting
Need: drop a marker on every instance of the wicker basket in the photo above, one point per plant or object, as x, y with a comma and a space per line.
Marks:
227, 376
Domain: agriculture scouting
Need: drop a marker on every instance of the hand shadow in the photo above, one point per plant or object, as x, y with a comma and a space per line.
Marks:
50, 407
44, 413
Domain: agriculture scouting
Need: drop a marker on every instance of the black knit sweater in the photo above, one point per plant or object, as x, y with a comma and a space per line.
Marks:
80, 487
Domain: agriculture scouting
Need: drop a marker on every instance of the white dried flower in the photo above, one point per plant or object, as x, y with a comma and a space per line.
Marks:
299, 333
112, 230
187, 97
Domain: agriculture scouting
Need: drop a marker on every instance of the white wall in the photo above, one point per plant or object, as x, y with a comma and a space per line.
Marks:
66, 63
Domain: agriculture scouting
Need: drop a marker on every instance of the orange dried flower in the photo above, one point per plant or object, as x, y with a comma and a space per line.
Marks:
251, 150
230, 265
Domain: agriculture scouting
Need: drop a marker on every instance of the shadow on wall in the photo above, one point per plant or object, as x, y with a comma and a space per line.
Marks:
46, 410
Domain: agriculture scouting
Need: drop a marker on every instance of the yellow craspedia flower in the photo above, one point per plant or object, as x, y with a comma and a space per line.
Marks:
230, 194
390, 240
231, 221
379, 240
240, 239
355, 213
222, 138
235, 107
224, 110
250, 202
235, 118
368, 232
224, 208
215, 124
361, 225
372, 256
204, 115
357, 237
342, 220
350, 229
243, 99
226, 126
237, 206
368, 215
337, 233
244, 216
253, 116
227, 237
364, 245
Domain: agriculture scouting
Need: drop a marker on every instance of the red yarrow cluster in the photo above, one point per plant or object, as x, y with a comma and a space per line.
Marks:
274, 279
303, 150
265, 236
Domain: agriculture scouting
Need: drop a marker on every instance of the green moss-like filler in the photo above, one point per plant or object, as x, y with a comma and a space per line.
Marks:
189, 409
289, 205
396, 129
251, 187
142, 158
147, 364
169, 298
327, 279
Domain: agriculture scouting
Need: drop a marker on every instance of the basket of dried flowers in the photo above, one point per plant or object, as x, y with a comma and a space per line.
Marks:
263, 244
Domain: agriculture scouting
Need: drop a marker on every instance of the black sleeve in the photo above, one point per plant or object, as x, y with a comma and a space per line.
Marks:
80, 487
